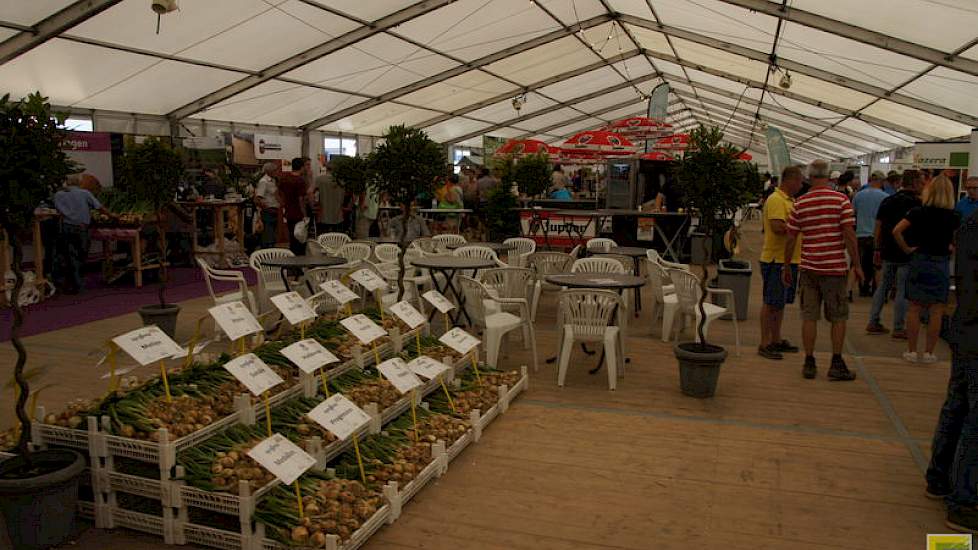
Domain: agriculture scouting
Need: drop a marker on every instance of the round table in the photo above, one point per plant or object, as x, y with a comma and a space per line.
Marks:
498, 248
636, 253
580, 230
303, 263
382, 240
448, 266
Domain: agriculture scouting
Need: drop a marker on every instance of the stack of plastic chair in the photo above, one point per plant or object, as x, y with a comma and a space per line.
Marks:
591, 316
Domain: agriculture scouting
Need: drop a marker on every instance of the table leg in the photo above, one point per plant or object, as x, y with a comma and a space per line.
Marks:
597, 368
638, 291
459, 298
240, 232
285, 279
434, 285
193, 231
137, 259
219, 234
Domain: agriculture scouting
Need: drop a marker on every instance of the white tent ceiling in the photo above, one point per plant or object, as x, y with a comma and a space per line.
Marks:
866, 76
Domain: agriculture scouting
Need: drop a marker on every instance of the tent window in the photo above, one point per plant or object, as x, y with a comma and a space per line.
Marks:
78, 124
457, 155
340, 146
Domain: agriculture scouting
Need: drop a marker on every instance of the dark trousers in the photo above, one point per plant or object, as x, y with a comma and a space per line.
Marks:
297, 248
269, 235
866, 249
74, 242
954, 458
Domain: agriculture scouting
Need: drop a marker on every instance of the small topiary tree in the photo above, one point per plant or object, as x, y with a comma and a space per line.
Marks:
404, 166
715, 184
532, 174
32, 167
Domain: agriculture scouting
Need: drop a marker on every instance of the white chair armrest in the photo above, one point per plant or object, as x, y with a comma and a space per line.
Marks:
720, 291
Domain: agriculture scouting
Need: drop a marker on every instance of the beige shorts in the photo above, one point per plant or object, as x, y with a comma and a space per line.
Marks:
829, 290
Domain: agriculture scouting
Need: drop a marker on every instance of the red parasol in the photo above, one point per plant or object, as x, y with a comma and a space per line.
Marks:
580, 157
600, 142
744, 156
522, 147
657, 156
677, 142
640, 127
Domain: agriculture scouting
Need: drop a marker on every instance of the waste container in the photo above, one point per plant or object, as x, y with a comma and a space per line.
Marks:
699, 256
735, 275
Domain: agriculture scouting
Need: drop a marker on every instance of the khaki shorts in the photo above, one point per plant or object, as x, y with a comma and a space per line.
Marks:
823, 289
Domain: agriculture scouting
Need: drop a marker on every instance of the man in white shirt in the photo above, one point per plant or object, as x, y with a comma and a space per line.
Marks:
266, 198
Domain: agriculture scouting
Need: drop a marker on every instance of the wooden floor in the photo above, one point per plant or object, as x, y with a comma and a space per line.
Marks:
773, 461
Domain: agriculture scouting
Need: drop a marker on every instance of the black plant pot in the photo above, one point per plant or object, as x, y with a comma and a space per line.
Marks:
699, 368
39, 511
164, 316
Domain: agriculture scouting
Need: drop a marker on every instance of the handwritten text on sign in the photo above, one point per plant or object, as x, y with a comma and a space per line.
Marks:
368, 280
427, 367
309, 355
363, 328
398, 374
459, 340
253, 373
293, 307
284, 459
438, 300
339, 415
148, 345
235, 320
407, 313
338, 291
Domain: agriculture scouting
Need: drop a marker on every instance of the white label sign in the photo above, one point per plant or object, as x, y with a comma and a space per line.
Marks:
338, 291
438, 300
363, 328
428, 367
253, 373
309, 355
407, 313
339, 415
398, 374
368, 280
295, 309
148, 345
459, 340
284, 459
235, 320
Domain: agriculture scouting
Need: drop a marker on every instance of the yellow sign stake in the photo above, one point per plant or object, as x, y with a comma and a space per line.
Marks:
475, 366
193, 342
302, 331
113, 381
414, 415
322, 376
349, 309
448, 326
356, 449
268, 414
376, 353
447, 395
417, 340
380, 304
244, 345
298, 498
166, 383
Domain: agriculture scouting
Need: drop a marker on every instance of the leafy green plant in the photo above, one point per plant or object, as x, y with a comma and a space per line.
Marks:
404, 166
353, 174
502, 218
151, 172
532, 174
32, 167
715, 184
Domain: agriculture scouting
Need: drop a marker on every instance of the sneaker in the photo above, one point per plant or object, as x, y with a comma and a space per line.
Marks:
839, 372
928, 358
899, 334
876, 328
809, 370
769, 352
936, 492
963, 519
911, 357
785, 346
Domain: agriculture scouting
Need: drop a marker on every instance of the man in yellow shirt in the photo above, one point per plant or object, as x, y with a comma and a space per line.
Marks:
777, 209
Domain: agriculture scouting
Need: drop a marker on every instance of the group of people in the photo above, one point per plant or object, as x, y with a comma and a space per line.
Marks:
816, 239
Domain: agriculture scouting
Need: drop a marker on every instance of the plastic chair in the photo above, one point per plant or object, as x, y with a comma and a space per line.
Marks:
688, 293
354, 252
481, 252
654, 256
269, 278
544, 264
243, 294
332, 242
591, 316
386, 252
449, 241
426, 245
495, 321
599, 264
662, 295
600, 244
523, 247
512, 283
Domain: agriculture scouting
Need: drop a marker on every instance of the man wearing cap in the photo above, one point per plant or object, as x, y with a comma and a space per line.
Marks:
892, 183
866, 203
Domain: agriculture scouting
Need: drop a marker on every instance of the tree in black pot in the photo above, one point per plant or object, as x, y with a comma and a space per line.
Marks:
502, 218
532, 174
404, 166
715, 185
151, 171
39, 490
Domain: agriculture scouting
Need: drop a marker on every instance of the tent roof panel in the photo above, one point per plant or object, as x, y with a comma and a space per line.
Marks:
581, 85
458, 92
547, 119
30, 12
607, 100
449, 129
719, 59
502, 111
829, 93
376, 120
570, 129
635, 67
374, 9
651, 40
506, 132
885, 134
946, 87
716, 19
544, 61
911, 118
571, 13
274, 102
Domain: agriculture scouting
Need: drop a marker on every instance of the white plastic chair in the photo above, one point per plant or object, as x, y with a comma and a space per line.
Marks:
654, 256
598, 264
386, 252
600, 244
480, 252
522, 248
354, 252
688, 294
495, 321
332, 242
448, 241
662, 295
269, 278
243, 294
591, 316
512, 283
426, 245
544, 264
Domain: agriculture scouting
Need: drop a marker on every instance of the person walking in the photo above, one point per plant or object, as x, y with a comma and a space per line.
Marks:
953, 468
866, 205
330, 201
968, 203
777, 208
824, 220
929, 242
75, 206
266, 198
294, 198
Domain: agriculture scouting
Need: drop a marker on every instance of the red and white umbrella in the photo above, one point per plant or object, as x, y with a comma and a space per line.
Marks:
601, 142
657, 156
580, 157
744, 156
523, 147
676, 142
640, 127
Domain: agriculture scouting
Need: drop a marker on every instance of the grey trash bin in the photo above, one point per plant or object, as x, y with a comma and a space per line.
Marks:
735, 275
699, 256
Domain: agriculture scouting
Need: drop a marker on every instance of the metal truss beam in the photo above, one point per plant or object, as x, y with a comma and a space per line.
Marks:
52, 26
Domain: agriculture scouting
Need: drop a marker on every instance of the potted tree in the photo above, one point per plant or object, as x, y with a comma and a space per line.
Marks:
502, 218
404, 166
532, 174
151, 171
715, 185
353, 174
38, 490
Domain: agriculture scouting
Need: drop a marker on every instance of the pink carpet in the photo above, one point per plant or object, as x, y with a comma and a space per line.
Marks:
101, 301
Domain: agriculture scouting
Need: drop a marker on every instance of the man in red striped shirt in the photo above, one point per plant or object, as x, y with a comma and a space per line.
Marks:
824, 219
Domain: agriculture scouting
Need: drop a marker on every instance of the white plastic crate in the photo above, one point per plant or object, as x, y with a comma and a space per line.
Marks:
435, 468
86, 510
371, 526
